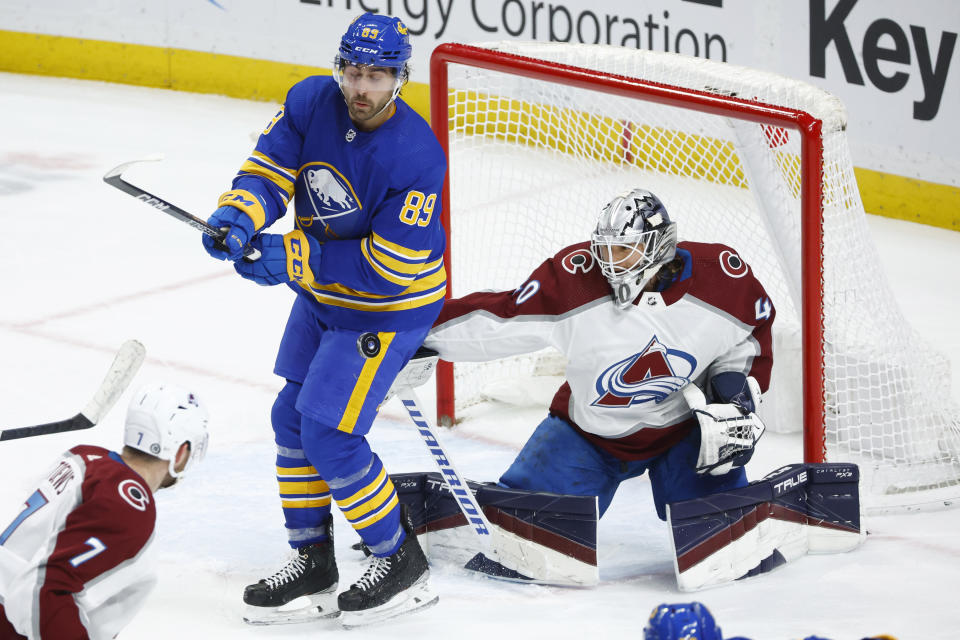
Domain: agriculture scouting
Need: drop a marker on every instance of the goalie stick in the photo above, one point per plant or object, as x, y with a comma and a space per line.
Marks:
453, 479
114, 178
121, 372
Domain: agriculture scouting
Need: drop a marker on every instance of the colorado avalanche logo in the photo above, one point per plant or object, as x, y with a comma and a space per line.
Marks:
651, 375
329, 192
732, 265
578, 260
134, 494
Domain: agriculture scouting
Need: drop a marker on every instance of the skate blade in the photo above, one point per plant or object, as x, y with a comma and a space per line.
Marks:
414, 599
317, 606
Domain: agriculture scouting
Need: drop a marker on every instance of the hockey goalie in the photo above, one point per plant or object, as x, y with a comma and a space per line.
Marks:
669, 349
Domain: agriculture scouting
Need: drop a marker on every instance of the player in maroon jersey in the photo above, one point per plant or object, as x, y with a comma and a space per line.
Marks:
74, 563
639, 317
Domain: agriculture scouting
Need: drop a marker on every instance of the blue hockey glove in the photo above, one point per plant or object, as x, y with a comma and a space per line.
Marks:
239, 229
294, 256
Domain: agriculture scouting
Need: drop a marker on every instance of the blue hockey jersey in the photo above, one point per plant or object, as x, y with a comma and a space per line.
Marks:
372, 199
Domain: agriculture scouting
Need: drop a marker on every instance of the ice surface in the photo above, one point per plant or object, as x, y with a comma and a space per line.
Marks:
85, 267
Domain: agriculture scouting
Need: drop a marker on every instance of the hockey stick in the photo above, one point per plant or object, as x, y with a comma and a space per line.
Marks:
114, 178
121, 372
455, 482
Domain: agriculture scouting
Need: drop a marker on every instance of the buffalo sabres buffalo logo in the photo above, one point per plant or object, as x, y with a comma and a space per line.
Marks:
329, 193
650, 375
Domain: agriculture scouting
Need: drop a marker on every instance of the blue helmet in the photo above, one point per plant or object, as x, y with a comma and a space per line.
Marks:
376, 40
690, 621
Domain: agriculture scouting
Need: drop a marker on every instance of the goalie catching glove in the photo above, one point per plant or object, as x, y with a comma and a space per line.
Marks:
728, 431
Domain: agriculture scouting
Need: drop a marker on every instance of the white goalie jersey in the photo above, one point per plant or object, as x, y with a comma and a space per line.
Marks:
623, 366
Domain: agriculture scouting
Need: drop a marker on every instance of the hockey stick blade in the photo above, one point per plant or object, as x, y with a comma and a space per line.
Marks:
455, 482
124, 368
114, 178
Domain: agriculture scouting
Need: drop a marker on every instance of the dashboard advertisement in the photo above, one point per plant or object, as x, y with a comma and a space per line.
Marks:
894, 64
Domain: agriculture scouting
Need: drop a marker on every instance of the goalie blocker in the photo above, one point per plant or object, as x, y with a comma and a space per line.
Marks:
540, 537
795, 510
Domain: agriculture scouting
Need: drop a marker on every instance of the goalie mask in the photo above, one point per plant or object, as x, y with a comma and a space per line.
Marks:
634, 237
160, 418
377, 41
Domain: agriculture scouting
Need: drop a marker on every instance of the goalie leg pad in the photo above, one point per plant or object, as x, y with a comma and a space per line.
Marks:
795, 510
540, 537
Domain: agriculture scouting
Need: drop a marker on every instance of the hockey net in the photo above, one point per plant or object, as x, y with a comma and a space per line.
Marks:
540, 135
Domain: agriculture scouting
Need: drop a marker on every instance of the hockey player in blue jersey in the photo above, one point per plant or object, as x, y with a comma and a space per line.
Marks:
365, 258
693, 620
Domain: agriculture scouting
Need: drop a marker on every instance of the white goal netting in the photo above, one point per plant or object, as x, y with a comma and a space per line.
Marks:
532, 160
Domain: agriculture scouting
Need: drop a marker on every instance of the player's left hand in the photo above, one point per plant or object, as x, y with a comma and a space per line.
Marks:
282, 258
237, 227
728, 433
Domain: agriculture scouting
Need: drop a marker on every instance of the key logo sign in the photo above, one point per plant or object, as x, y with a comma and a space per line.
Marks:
648, 376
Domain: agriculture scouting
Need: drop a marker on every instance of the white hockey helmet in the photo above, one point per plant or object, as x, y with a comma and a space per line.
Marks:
160, 418
634, 237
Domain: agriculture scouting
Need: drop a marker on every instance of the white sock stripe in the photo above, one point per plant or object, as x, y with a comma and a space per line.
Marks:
296, 535
286, 452
340, 483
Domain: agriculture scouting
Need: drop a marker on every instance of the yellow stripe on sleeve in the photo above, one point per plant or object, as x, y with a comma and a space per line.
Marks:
403, 252
271, 173
412, 268
386, 275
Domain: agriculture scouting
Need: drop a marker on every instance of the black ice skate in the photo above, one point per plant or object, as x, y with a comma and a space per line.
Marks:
303, 590
391, 586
